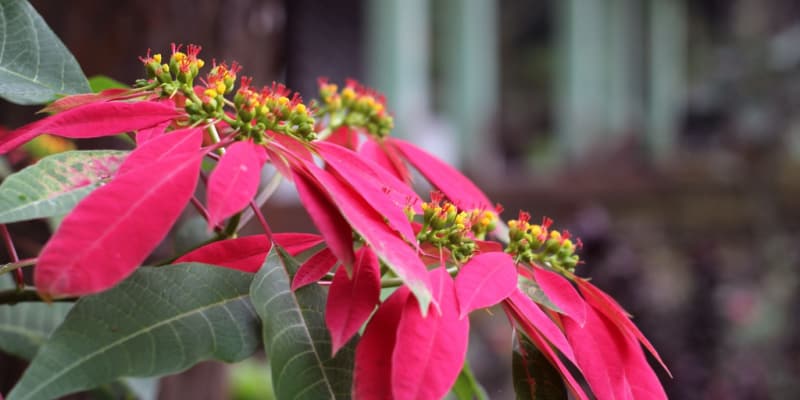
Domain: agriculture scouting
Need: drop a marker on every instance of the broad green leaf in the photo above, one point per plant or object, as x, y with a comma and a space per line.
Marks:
98, 83
55, 184
25, 326
467, 387
35, 66
295, 337
158, 321
534, 376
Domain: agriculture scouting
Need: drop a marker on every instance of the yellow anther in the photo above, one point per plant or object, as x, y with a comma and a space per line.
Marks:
165, 68
210, 93
348, 93
513, 224
221, 88
157, 58
283, 100
486, 221
568, 244
200, 63
535, 230
460, 218
263, 110
179, 55
556, 235
300, 108
378, 107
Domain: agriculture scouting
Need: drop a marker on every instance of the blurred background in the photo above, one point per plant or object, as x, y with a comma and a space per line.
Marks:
664, 133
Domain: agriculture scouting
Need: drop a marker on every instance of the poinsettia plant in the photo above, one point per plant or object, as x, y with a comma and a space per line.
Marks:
376, 306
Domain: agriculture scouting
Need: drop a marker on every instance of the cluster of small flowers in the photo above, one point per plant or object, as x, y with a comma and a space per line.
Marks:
273, 108
444, 226
533, 243
355, 106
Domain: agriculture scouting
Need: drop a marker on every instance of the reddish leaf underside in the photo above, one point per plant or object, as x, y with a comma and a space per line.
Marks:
613, 311
561, 292
372, 373
234, 181
247, 253
77, 100
485, 280
333, 227
314, 269
397, 254
458, 188
429, 350
94, 120
385, 193
176, 142
351, 301
145, 135
115, 228
533, 317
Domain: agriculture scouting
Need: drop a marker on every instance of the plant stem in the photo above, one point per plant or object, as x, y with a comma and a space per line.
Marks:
261, 220
6, 268
394, 282
262, 198
212, 130
12, 252
25, 295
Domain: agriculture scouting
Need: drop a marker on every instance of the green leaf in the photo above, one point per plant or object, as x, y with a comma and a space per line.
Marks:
55, 184
35, 66
467, 387
534, 376
25, 326
98, 83
295, 336
158, 321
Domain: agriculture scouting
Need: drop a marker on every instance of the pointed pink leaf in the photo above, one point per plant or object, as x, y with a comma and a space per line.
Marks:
94, 120
485, 280
148, 134
457, 187
542, 344
333, 227
176, 142
599, 349
351, 301
397, 254
247, 253
613, 311
561, 292
385, 193
430, 350
115, 228
534, 317
373, 150
234, 181
344, 136
314, 268
372, 373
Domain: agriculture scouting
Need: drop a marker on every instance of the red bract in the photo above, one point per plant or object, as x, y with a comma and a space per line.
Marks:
247, 253
429, 350
561, 292
162, 147
397, 254
351, 300
485, 280
116, 227
77, 100
94, 120
234, 181
458, 188
532, 318
372, 374
314, 269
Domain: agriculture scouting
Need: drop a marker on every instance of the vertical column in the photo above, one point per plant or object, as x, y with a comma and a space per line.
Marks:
470, 73
625, 68
667, 74
398, 58
581, 77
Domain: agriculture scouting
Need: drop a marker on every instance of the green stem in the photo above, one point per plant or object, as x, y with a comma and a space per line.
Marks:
394, 282
14, 296
6, 268
212, 130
